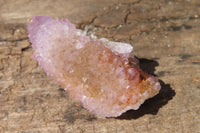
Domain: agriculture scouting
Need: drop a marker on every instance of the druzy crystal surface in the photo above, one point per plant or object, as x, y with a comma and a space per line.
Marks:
97, 72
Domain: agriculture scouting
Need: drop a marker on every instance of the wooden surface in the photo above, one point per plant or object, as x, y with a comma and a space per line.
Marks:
165, 35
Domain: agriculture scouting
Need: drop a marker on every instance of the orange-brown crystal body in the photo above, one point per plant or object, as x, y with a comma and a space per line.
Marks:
99, 77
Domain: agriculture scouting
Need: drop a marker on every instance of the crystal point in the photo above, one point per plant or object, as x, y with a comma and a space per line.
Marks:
97, 72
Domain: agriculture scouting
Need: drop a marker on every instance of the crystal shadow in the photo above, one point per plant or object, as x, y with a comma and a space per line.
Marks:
152, 105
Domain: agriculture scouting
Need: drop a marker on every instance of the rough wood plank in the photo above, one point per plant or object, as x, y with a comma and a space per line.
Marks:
165, 35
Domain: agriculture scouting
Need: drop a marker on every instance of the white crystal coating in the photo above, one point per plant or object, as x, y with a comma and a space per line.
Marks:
118, 47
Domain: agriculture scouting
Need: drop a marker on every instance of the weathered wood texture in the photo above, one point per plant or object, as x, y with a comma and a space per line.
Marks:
165, 33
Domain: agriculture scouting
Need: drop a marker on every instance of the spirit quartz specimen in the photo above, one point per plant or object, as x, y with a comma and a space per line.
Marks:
97, 72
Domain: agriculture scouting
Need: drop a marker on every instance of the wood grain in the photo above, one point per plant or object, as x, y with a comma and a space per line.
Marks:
165, 35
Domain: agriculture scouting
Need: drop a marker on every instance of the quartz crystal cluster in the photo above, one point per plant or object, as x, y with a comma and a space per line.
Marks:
97, 72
